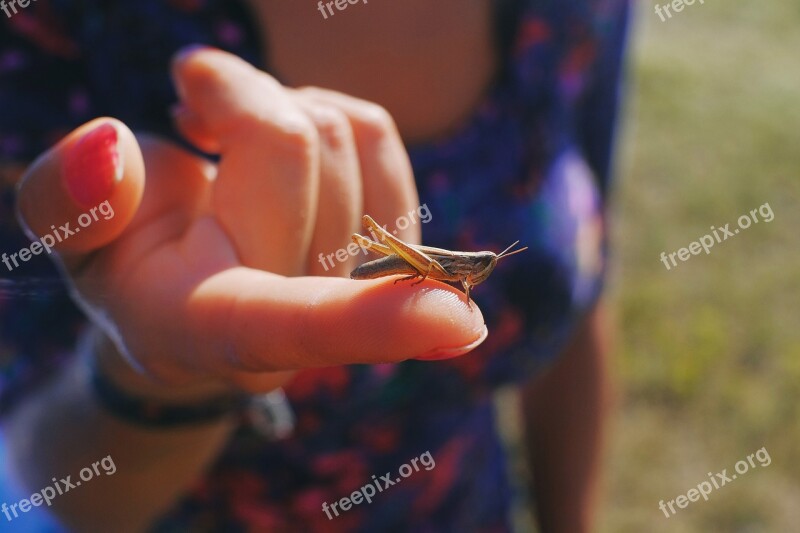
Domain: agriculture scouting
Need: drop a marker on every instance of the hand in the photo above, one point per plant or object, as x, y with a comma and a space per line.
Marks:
211, 272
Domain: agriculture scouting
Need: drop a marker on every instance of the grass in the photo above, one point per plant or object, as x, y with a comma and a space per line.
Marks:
708, 359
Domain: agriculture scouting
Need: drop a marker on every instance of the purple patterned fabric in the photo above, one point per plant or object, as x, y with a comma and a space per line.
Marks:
532, 163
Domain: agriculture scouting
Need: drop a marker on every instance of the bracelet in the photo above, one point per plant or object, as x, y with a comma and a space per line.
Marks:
157, 414
270, 414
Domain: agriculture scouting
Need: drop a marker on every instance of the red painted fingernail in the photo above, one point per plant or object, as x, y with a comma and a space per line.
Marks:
448, 353
93, 166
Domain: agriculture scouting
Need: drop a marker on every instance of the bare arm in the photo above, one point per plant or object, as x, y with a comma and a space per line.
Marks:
565, 410
62, 429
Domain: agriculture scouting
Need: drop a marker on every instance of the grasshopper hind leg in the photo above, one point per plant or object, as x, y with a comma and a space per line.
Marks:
412, 276
467, 287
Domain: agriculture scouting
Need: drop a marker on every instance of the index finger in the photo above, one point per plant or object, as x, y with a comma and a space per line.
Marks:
270, 323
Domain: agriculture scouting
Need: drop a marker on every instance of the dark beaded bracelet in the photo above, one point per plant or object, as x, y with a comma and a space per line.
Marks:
268, 414
153, 413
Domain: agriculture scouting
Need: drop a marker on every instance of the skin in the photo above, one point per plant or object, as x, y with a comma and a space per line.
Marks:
209, 298
565, 433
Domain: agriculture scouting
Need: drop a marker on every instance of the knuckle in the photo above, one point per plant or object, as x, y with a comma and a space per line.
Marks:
297, 127
296, 132
291, 133
375, 123
332, 125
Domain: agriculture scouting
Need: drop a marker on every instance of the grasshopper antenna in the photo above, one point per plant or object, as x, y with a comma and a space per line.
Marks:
506, 253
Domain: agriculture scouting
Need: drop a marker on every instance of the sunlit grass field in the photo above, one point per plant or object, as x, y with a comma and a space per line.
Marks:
708, 353
707, 358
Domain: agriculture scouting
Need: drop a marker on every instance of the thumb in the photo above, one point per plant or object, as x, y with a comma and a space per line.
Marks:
81, 194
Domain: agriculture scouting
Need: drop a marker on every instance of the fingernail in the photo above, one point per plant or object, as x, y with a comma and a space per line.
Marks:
448, 353
93, 166
186, 51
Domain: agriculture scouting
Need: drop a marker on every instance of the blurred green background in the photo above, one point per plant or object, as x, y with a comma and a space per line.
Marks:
708, 353
707, 358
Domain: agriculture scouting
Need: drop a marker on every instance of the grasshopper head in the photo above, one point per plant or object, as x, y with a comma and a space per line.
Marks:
485, 263
481, 268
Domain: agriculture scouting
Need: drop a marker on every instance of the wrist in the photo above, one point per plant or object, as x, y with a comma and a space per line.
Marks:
106, 360
134, 398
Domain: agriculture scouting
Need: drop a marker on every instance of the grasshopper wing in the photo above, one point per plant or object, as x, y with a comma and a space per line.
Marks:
421, 262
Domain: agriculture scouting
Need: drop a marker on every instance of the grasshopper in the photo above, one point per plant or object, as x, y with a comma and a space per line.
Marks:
469, 268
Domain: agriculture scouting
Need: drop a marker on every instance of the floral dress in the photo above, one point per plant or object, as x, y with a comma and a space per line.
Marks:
532, 163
